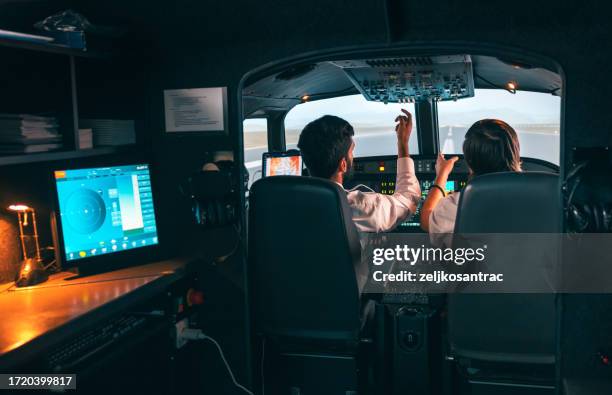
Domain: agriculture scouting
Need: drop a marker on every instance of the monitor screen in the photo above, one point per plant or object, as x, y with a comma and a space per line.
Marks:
105, 210
387, 187
282, 164
414, 221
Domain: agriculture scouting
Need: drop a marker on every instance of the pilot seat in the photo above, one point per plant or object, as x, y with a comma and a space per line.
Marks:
504, 343
306, 309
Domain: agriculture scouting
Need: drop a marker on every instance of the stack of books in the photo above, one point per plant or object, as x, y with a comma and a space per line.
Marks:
26, 133
110, 131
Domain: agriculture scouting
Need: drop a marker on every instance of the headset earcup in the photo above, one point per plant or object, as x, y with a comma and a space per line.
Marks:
578, 219
607, 217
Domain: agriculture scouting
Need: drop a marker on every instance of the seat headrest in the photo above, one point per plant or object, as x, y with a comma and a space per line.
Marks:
304, 201
510, 202
288, 185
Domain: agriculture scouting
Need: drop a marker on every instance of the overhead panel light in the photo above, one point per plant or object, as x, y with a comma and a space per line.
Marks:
511, 86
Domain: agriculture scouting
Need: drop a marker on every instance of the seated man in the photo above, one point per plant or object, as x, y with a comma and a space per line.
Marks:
327, 148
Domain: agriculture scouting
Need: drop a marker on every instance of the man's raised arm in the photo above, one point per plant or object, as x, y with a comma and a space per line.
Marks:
375, 212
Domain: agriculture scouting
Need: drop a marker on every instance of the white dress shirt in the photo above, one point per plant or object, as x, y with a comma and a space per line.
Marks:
442, 220
375, 212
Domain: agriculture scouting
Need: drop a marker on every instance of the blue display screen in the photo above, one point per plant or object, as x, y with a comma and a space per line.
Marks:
105, 210
414, 220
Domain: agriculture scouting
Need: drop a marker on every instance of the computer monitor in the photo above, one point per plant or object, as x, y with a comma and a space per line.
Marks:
287, 163
413, 223
104, 211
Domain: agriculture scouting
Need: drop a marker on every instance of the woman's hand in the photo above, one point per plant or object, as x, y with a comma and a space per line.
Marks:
443, 169
445, 166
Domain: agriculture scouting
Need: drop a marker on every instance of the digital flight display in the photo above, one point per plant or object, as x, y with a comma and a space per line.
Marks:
387, 187
105, 210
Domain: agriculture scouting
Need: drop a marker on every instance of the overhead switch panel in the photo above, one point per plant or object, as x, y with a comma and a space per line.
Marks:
410, 79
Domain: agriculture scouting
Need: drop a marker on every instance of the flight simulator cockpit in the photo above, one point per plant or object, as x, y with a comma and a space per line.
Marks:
445, 93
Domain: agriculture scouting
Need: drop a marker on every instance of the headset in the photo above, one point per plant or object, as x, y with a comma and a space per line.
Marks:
214, 192
588, 188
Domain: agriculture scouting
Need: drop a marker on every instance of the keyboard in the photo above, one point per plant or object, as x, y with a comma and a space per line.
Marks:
84, 345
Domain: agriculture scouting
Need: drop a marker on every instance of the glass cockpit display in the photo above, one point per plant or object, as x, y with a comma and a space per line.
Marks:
282, 163
105, 210
387, 187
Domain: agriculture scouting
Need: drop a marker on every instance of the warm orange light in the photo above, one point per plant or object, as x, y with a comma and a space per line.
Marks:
511, 86
26, 268
60, 174
19, 207
305, 98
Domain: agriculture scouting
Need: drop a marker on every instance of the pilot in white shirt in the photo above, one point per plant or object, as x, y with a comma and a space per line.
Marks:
490, 146
375, 212
327, 148
442, 219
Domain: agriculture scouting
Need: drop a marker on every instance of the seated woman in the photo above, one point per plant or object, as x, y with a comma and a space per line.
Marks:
490, 146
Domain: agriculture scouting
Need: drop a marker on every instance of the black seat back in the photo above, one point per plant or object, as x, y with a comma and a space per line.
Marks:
303, 248
512, 328
510, 202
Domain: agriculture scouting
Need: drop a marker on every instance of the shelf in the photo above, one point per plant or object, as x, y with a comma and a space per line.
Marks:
50, 47
60, 155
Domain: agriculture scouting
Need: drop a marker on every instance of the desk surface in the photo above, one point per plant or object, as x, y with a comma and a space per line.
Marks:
31, 312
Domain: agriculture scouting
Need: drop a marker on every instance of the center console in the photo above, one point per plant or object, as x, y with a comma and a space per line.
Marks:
378, 174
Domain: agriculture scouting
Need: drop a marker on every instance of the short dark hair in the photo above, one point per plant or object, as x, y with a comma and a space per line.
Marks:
324, 142
491, 146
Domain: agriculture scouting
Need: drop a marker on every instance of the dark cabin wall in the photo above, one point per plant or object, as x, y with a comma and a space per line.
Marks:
201, 51
250, 38
20, 16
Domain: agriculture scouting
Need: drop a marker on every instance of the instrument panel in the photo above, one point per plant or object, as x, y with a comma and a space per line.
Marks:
411, 79
378, 174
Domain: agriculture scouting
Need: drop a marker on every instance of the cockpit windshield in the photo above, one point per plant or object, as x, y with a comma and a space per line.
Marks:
372, 121
534, 116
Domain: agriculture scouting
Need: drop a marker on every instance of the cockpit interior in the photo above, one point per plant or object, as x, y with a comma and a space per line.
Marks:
164, 228
425, 343
372, 90
420, 344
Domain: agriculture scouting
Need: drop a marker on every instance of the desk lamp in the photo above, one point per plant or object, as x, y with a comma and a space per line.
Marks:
31, 271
